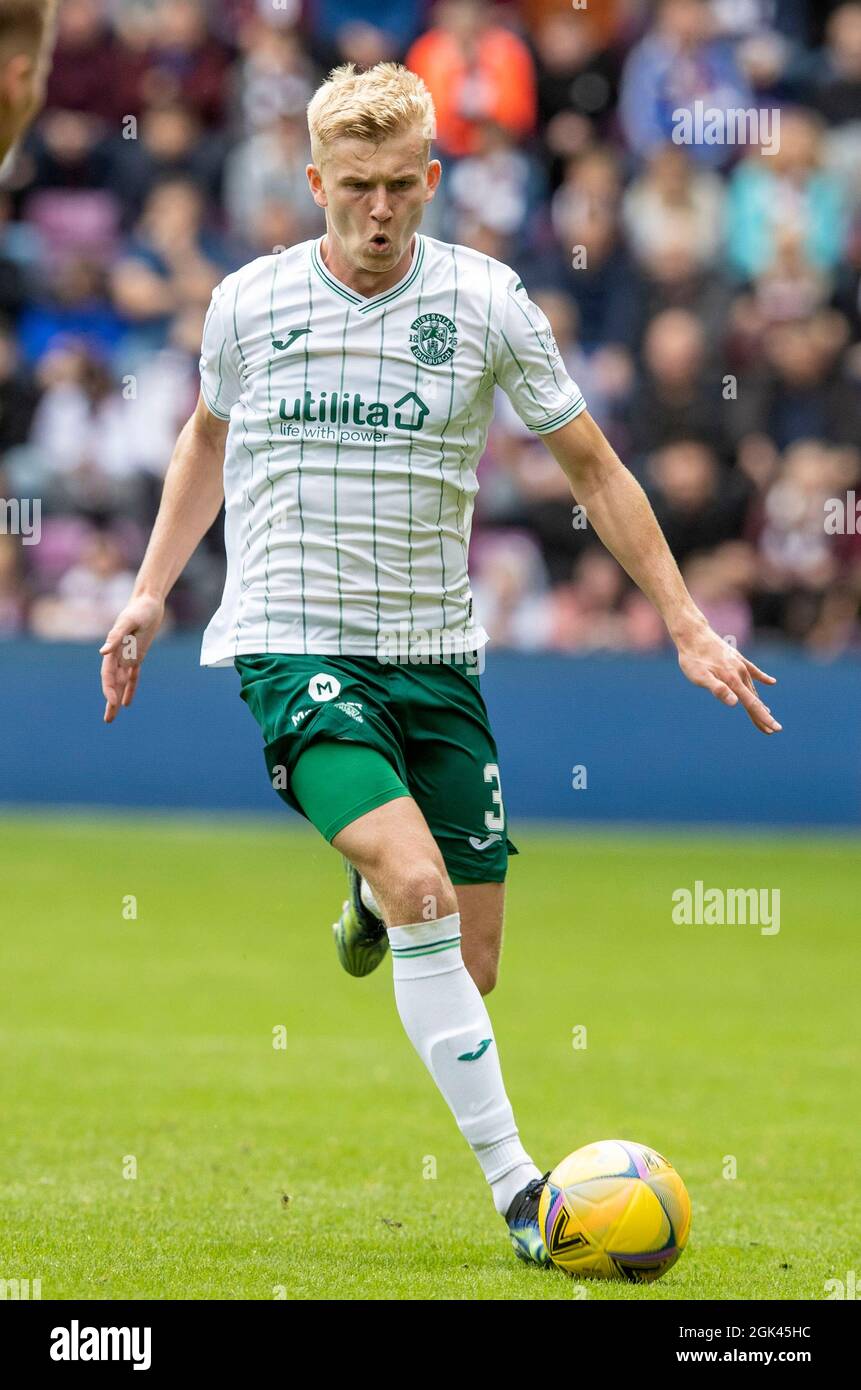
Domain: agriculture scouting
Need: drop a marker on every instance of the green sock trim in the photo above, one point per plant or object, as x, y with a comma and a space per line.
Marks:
448, 943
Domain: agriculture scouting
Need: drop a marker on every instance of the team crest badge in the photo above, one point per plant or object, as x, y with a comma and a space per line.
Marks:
433, 339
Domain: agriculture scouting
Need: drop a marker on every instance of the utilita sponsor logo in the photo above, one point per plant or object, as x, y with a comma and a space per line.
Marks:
348, 408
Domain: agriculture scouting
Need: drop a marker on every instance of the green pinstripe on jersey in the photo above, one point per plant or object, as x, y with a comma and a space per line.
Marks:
266, 597
442, 446
572, 409
382, 349
335, 489
550, 362
488, 315
350, 474
213, 404
520, 366
410, 485
307, 355
246, 507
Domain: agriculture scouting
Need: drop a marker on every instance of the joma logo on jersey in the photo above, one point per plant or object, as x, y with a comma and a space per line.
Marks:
348, 408
433, 339
282, 344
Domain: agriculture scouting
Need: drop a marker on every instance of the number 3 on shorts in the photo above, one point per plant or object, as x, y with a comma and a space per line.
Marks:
492, 820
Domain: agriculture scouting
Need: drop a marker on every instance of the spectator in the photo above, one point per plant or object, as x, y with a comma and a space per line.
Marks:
786, 191
697, 504
681, 62
597, 611
677, 396
498, 184
509, 590
183, 61
18, 395
597, 272
86, 69
74, 304
88, 597
80, 429
674, 203
476, 71
266, 187
398, 21
171, 261
576, 84
273, 77
170, 143
720, 582
673, 278
795, 548
802, 391
837, 92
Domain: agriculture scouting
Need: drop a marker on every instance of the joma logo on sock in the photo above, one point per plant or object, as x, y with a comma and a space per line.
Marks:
76, 1343
479, 1051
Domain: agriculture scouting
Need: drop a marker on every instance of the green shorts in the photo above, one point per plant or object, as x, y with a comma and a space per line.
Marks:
429, 723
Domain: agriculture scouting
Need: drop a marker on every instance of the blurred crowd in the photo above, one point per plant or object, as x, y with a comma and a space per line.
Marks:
705, 296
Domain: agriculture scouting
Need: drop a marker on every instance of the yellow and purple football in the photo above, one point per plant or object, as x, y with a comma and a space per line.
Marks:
615, 1210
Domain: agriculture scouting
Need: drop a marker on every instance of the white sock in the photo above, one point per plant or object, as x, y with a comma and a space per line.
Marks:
445, 1018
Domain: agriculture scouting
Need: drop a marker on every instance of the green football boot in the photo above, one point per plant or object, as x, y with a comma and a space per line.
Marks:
361, 939
522, 1219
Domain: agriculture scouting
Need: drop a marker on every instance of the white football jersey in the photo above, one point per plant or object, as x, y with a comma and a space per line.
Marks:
356, 426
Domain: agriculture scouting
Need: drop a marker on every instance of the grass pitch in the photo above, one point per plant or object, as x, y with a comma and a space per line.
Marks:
155, 1144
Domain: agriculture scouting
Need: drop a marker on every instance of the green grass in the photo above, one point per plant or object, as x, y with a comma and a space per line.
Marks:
153, 1038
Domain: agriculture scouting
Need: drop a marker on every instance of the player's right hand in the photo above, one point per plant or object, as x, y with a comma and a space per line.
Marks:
124, 649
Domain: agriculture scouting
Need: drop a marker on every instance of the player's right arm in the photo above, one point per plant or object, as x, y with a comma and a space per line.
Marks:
192, 496
530, 370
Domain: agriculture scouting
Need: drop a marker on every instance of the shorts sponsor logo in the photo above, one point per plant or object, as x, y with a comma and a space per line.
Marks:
351, 708
324, 687
483, 844
299, 716
433, 339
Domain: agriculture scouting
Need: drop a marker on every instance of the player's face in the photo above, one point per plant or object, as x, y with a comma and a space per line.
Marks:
374, 196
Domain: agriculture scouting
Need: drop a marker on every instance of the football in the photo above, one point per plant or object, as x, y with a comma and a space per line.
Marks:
615, 1210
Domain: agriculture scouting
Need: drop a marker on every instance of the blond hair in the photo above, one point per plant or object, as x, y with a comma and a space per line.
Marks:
24, 24
384, 100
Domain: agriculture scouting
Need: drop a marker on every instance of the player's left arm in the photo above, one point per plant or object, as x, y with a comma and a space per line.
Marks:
621, 515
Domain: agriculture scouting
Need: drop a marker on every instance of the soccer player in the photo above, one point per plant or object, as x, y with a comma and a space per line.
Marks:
27, 30
346, 391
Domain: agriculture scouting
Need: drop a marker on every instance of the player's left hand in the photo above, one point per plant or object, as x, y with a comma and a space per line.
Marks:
124, 649
709, 661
